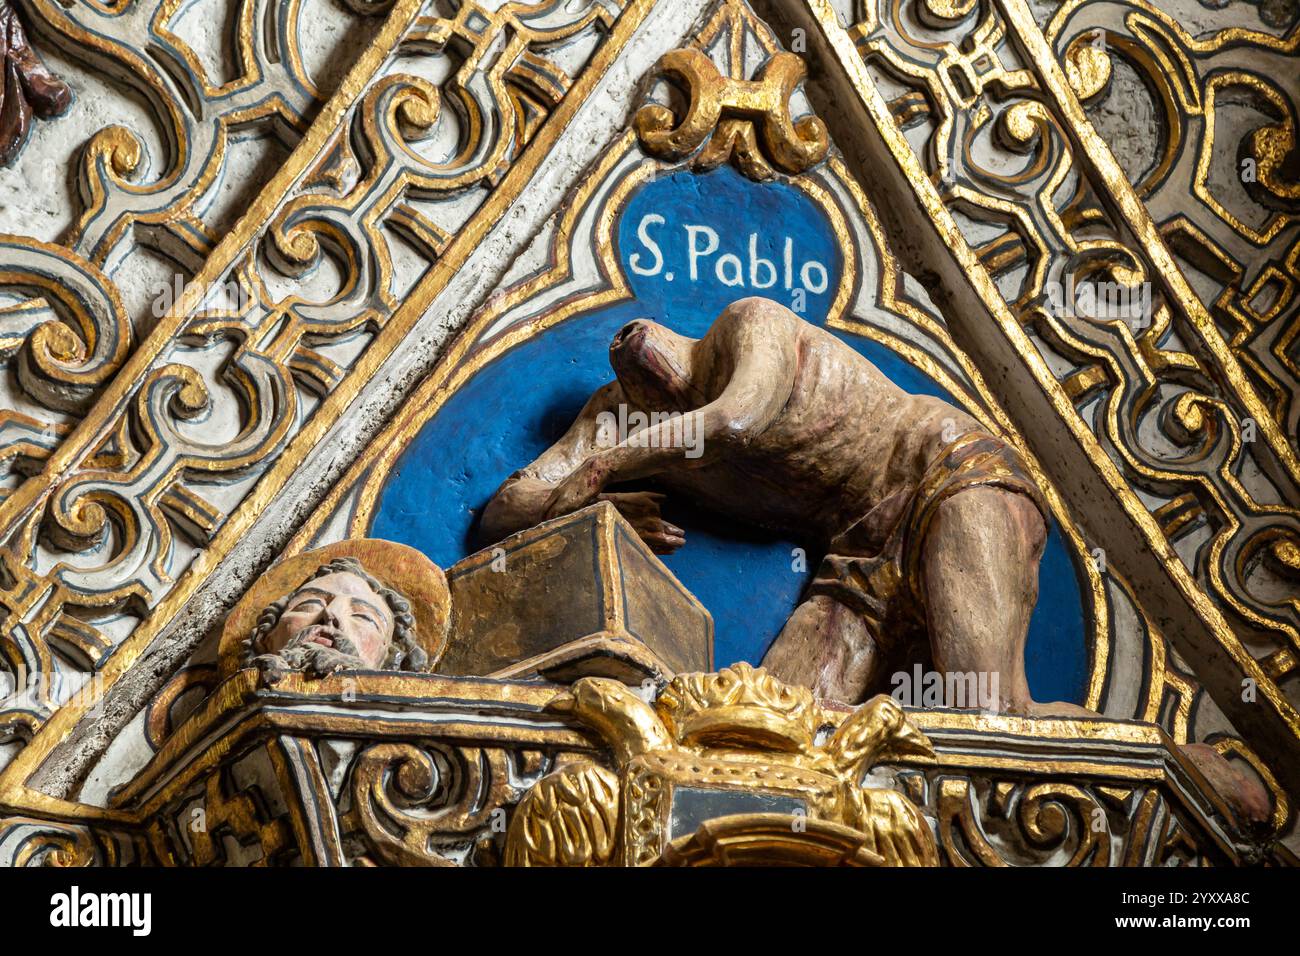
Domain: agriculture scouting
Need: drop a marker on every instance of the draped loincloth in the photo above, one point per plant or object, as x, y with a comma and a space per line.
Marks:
874, 567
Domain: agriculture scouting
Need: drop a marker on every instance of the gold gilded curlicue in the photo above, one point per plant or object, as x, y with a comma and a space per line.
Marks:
748, 120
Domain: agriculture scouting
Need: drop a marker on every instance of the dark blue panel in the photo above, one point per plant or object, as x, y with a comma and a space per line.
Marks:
515, 407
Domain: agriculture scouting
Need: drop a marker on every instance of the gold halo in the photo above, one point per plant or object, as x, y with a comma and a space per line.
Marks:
402, 568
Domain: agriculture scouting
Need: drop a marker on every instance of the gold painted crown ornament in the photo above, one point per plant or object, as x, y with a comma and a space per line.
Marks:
740, 706
723, 768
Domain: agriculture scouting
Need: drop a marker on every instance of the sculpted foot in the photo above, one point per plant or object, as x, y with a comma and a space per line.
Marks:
1058, 708
1243, 791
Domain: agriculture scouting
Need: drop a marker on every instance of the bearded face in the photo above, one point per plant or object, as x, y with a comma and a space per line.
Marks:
334, 622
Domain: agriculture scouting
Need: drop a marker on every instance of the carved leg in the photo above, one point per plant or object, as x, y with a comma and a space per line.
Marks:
980, 565
827, 647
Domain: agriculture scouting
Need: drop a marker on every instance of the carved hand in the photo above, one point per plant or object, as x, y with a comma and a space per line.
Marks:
641, 509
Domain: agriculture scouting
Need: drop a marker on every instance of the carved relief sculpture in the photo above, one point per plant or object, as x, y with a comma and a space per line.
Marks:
932, 529
930, 524
27, 89
328, 611
393, 272
340, 618
736, 749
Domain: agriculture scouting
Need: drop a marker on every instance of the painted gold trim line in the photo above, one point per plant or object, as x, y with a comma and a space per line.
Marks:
827, 23
13, 789
1094, 151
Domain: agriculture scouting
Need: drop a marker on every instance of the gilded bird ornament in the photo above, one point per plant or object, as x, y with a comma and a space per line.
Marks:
570, 817
879, 729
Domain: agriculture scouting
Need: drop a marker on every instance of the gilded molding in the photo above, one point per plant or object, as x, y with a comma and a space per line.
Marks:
464, 768
1159, 420
134, 475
